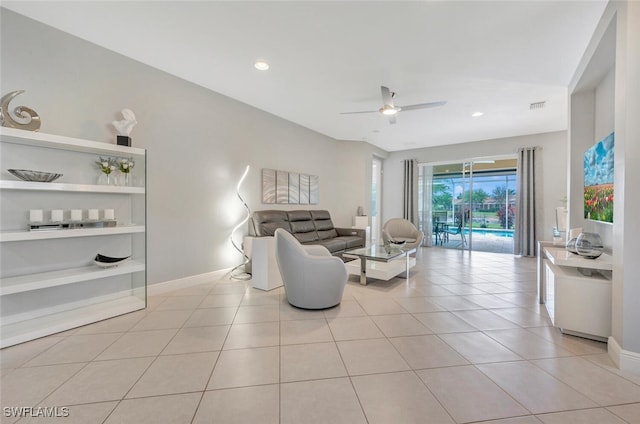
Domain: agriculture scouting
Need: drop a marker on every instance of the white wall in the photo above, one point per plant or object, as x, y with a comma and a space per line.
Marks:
199, 142
552, 191
615, 47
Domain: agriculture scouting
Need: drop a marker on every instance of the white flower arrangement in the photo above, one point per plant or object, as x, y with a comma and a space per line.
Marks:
126, 165
107, 165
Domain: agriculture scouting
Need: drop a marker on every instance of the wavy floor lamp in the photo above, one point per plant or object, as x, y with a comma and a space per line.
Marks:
242, 275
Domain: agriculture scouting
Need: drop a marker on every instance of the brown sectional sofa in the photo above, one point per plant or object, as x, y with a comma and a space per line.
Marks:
309, 227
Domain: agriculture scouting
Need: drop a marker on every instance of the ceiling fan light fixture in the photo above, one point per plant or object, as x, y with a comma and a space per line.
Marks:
389, 110
261, 65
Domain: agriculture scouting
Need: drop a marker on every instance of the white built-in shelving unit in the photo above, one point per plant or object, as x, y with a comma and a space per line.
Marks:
48, 281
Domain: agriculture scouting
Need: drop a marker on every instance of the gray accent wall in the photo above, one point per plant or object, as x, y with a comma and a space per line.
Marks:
198, 141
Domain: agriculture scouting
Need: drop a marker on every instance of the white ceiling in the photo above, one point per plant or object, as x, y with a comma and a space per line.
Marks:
330, 57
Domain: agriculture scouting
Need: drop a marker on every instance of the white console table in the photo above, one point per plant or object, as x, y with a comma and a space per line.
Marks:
578, 304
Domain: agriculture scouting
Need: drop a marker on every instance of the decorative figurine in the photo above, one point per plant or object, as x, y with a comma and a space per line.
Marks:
22, 117
124, 127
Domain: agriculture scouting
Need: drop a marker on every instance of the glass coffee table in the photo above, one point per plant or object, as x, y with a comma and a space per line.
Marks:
379, 262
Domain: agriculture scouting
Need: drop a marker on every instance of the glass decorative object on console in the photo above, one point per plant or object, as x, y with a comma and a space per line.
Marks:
589, 245
107, 166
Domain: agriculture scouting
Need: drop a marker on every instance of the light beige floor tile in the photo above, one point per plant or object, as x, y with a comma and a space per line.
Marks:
197, 339
118, 324
253, 335
427, 352
529, 419
418, 304
464, 290
346, 308
258, 313
211, 316
257, 404
400, 325
138, 344
378, 306
630, 413
319, 402
371, 356
527, 345
83, 348
598, 384
524, 317
174, 409
246, 367
520, 299
483, 319
576, 345
221, 301
444, 322
91, 413
585, 416
29, 386
310, 362
604, 360
289, 312
100, 381
229, 287
153, 301
15, 356
479, 348
161, 320
175, 374
469, 395
398, 398
200, 289
535, 389
305, 331
454, 303
180, 302
258, 297
354, 328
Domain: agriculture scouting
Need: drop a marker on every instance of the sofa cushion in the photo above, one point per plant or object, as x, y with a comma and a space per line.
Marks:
306, 237
351, 241
323, 235
333, 245
266, 222
299, 216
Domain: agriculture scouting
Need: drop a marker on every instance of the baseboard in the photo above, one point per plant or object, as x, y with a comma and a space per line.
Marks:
625, 360
167, 286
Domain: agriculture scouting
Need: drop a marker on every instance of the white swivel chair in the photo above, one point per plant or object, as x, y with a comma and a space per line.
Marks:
398, 230
313, 279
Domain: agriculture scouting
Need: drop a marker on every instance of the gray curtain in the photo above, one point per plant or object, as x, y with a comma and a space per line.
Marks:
410, 203
524, 237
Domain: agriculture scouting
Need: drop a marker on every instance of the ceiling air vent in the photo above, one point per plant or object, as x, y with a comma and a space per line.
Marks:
537, 105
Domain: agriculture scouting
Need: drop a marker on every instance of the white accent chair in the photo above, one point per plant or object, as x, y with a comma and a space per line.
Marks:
398, 230
313, 279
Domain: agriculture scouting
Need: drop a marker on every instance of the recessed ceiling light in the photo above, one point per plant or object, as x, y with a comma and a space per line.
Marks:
261, 65
476, 114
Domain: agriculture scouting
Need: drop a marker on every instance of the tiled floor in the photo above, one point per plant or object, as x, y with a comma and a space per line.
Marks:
463, 340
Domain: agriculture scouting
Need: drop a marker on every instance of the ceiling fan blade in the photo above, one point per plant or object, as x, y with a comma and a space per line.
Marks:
387, 97
422, 105
392, 119
362, 111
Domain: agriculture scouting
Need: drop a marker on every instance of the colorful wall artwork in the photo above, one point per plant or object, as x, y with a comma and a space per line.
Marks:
598, 180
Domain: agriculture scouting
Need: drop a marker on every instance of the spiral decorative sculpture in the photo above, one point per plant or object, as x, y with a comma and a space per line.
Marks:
240, 248
22, 117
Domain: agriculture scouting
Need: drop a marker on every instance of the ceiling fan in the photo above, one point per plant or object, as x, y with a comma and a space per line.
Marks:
390, 110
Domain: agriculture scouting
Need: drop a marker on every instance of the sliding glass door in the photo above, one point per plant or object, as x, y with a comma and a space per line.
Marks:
469, 205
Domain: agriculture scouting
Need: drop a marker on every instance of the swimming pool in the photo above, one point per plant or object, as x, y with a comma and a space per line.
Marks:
488, 232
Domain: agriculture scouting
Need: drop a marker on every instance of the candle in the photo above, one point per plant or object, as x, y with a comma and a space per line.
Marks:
109, 214
36, 215
76, 214
57, 215
93, 214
